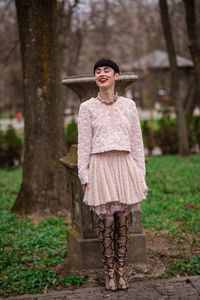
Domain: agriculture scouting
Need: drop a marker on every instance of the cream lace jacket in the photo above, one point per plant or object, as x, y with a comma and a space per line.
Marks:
104, 127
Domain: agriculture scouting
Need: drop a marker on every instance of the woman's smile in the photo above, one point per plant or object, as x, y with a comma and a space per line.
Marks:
103, 80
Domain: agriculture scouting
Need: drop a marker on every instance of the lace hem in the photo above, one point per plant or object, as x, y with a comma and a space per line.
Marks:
111, 208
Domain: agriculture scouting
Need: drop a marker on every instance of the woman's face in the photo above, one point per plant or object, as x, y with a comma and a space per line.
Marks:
105, 77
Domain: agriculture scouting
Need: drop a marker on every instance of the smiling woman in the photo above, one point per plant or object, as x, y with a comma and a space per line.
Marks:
106, 73
111, 167
105, 80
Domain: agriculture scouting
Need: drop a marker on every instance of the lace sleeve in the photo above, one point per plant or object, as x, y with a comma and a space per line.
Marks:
137, 146
84, 142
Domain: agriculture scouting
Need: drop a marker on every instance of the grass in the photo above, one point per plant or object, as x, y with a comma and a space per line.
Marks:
174, 193
30, 252
172, 209
188, 266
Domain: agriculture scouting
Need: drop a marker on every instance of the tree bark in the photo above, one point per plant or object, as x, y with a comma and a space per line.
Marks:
44, 187
190, 100
192, 10
181, 118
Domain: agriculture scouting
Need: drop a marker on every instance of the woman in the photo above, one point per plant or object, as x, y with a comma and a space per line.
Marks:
111, 167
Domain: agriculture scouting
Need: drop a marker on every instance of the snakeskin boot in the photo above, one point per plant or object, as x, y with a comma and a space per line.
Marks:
106, 235
120, 240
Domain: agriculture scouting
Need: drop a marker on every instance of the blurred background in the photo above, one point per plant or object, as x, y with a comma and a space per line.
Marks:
129, 32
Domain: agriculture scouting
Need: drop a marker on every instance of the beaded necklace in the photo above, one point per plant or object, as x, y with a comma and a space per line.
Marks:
99, 97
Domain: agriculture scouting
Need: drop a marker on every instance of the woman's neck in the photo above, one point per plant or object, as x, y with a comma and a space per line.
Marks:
107, 94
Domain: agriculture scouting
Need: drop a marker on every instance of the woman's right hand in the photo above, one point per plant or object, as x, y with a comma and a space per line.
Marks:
86, 185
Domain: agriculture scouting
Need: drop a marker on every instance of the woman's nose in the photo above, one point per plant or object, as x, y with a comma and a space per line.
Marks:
102, 73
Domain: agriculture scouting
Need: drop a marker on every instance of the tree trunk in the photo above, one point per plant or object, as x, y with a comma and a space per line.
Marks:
190, 100
44, 187
193, 28
182, 123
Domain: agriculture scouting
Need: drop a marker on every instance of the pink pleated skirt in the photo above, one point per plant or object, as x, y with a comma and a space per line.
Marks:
116, 183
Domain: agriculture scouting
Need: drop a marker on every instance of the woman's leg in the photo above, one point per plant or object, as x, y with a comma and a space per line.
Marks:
120, 242
106, 238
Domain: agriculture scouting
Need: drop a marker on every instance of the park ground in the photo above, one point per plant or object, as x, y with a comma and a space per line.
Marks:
34, 252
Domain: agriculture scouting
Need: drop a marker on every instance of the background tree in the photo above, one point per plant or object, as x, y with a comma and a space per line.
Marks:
181, 118
44, 186
192, 12
89, 30
11, 77
71, 34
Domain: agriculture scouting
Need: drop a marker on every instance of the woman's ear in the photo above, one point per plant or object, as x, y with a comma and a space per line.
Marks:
116, 76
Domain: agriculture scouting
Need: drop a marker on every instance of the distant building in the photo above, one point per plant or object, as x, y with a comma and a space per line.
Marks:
154, 76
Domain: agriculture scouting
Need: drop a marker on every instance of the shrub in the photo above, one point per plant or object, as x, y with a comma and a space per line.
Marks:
10, 148
166, 136
71, 133
6, 116
148, 134
194, 130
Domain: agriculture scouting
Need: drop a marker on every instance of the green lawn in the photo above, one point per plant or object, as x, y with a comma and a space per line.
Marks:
173, 201
30, 252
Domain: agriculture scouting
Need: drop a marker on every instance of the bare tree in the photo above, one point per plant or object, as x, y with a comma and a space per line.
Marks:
10, 80
192, 10
182, 123
91, 29
70, 35
44, 186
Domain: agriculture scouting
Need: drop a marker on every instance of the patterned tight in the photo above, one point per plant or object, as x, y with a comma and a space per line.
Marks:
111, 217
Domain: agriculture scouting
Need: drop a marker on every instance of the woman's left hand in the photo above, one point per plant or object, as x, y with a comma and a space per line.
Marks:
86, 185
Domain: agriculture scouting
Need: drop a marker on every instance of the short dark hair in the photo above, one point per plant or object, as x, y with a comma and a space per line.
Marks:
104, 62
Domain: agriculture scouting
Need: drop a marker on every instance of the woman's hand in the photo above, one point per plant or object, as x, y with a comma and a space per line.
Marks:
86, 185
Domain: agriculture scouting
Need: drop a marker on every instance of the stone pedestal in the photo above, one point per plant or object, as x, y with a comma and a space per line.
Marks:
85, 86
82, 238
137, 240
